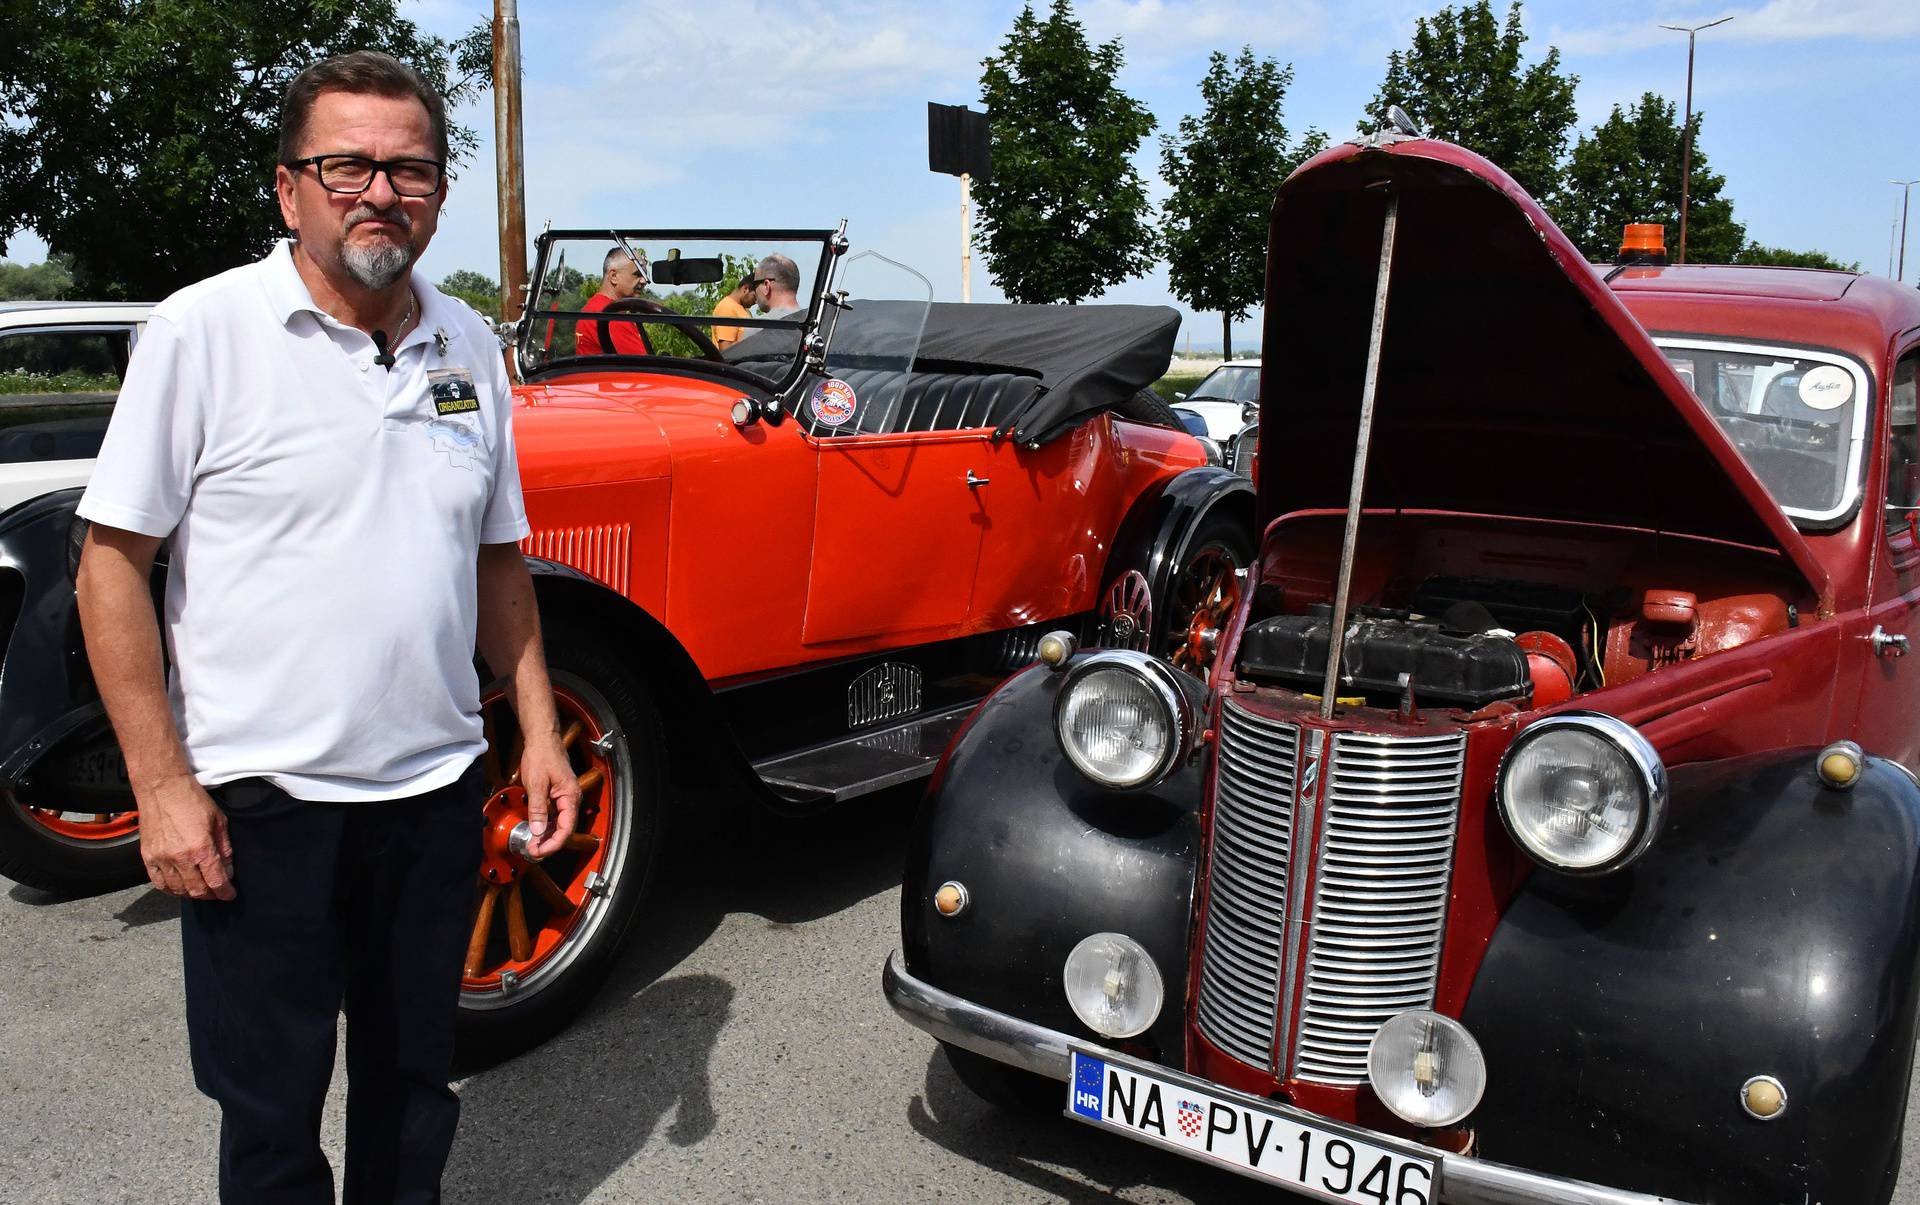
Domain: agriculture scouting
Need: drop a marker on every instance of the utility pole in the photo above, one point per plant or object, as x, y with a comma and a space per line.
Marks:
1686, 155
1906, 191
509, 158
966, 236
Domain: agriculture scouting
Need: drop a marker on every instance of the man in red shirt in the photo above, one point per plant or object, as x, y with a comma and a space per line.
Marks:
621, 276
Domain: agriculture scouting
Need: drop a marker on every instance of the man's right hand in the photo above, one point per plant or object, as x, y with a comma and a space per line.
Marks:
184, 842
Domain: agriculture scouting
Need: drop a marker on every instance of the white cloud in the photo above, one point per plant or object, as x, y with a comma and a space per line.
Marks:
1777, 21
1156, 31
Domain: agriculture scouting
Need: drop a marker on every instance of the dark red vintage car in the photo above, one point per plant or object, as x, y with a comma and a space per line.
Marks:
1547, 829
794, 565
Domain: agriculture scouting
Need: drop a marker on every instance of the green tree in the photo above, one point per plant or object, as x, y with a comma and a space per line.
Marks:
139, 136
1223, 167
1463, 80
1780, 257
49, 281
1064, 216
1628, 170
474, 288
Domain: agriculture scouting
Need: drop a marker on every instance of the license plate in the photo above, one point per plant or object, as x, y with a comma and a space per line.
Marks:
99, 770
1245, 1134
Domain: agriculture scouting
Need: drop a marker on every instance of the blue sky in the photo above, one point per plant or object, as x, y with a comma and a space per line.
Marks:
799, 113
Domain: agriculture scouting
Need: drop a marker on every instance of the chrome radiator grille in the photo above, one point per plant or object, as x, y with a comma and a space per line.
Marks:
1380, 901
1246, 894
1382, 867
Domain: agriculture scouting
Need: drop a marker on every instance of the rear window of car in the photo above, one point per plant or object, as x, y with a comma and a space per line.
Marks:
57, 388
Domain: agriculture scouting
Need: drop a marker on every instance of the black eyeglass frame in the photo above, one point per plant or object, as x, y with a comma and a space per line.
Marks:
318, 162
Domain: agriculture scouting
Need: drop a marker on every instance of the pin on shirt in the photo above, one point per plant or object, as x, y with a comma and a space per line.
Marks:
440, 341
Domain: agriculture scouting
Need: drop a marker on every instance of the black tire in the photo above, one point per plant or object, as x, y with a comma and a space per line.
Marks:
1010, 1088
1147, 406
1220, 534
497, 1022
34, 855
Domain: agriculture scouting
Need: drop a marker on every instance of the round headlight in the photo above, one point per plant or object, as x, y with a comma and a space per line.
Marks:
1113, 986
1120, 721
1583, 793
1426, 1068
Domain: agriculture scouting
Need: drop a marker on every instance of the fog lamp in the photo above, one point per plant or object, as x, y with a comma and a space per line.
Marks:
1426, 1068
1113, 986
1840, 764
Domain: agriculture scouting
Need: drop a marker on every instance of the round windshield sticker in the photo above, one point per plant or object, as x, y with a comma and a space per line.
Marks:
833, 402
1826, 387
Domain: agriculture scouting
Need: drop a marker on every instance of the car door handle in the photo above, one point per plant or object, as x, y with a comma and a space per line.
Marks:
974, 483
1887, 644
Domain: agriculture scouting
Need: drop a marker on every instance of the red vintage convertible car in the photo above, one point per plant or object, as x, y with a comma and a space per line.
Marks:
1548, 828
796, 564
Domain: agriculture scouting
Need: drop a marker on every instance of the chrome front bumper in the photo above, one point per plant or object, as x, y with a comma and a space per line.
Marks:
1463, 1180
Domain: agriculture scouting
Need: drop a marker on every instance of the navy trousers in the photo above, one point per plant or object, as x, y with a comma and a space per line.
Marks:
365, 906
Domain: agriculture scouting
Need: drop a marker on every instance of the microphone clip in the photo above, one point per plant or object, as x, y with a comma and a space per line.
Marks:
382, 356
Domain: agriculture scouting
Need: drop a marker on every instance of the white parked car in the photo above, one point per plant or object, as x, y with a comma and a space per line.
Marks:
1228, 398
61, 363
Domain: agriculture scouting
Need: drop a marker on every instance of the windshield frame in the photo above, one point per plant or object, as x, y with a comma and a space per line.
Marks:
833, 245
1863, 382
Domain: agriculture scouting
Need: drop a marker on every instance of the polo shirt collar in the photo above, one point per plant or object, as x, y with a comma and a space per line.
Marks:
290, 296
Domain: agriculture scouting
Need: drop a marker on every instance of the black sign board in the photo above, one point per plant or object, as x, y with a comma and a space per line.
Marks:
957, 141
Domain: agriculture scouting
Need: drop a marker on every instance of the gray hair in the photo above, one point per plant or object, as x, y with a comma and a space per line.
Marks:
781, 271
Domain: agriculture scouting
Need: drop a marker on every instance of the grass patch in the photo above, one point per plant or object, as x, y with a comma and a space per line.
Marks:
58, 382
1177, 382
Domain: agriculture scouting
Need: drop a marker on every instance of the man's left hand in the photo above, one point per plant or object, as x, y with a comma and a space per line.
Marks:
553, 795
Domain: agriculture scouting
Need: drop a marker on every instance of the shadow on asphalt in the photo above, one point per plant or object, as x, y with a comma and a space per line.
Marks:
553, 1124
1028, 1148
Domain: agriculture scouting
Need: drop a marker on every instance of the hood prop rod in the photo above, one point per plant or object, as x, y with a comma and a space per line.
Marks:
1337, 628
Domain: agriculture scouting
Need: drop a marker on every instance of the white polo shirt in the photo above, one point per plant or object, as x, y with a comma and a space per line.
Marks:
325, 514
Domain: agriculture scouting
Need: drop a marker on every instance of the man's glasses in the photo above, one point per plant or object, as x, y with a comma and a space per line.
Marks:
354, 174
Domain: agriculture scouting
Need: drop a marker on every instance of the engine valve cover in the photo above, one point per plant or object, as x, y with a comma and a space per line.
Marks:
1452, 670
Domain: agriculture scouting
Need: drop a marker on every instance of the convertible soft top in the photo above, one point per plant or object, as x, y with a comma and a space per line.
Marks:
1086, 358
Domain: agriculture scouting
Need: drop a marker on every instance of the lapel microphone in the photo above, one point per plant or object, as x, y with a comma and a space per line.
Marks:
382, 356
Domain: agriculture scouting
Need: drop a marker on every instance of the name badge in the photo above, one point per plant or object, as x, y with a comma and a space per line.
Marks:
453, 391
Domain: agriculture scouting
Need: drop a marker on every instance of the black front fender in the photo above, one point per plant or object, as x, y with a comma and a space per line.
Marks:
1047, 858
1771, 931
45, 683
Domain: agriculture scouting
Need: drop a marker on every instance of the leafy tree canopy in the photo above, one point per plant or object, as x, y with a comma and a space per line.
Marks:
1628, 170
1780, 257
1463, 80
1064, 215
50, 281
1223, 167
474, 288
138, 137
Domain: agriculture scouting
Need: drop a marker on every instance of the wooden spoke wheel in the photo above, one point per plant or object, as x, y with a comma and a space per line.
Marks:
544, 933
1203, 596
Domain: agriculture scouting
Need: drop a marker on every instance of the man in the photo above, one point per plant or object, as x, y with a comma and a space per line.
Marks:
620, 277
322, 438
777, 286
734, 305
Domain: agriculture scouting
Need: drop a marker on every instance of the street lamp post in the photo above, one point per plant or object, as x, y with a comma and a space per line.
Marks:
1686, 154
1906, 191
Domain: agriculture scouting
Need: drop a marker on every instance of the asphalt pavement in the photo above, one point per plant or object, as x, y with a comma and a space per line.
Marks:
740, 1052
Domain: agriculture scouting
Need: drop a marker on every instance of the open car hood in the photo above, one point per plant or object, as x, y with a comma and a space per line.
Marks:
1512, 381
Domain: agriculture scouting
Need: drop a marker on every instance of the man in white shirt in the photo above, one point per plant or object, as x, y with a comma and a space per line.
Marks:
323, 441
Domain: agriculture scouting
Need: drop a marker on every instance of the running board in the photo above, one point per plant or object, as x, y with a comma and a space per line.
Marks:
865, 762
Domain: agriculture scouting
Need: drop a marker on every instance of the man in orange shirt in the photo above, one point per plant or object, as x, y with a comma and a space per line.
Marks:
733, 305
621, 277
